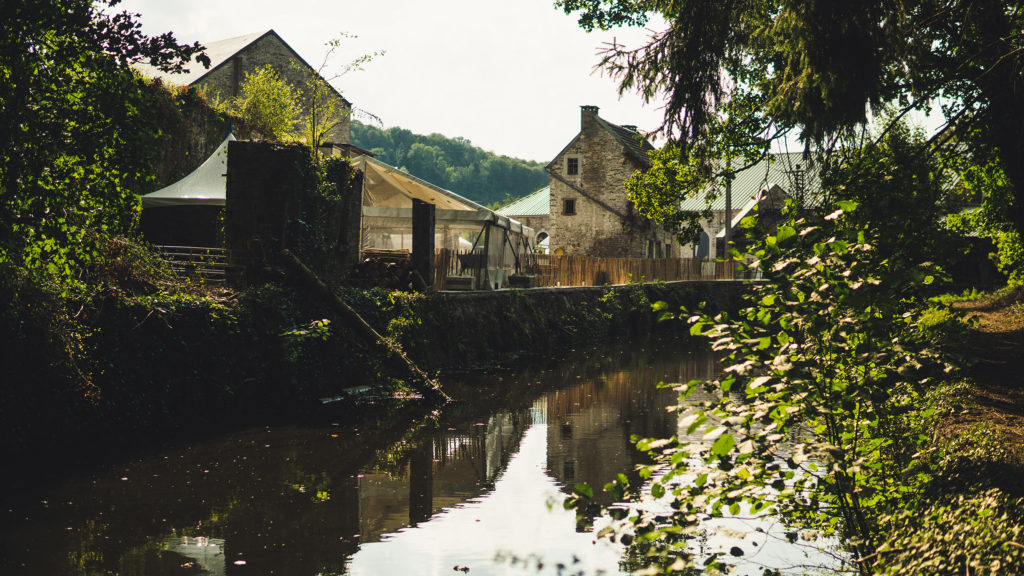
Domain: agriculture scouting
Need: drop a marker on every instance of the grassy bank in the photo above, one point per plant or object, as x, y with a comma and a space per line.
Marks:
969, 515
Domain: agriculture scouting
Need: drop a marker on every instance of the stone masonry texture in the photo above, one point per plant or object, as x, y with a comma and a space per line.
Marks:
269, 49
605, 222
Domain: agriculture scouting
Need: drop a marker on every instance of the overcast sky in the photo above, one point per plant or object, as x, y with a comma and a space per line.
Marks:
509, 75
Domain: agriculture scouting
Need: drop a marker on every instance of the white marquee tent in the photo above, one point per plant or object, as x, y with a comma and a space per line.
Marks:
496, 245
205, 186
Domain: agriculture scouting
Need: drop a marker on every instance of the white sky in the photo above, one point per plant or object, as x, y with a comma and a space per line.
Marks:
509, 75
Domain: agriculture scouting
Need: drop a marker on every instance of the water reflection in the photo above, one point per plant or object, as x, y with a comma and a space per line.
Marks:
333, 499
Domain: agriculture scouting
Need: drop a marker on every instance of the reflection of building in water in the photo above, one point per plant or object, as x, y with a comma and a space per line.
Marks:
590, 425
446, 470
207, 554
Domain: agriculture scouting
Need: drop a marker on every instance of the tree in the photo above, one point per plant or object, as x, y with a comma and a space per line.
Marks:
820, 67
323, 107
267, 104
75, 137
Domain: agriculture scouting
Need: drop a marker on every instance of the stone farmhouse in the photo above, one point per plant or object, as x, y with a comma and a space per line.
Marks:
589, 213
232, 58
763, 187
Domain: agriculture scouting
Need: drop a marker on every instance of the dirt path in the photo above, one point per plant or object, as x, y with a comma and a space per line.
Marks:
997, 344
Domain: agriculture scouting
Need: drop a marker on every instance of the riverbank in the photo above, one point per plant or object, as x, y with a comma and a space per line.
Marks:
146, 368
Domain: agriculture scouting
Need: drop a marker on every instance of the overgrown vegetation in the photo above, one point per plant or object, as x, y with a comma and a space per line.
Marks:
834, 385
266, 103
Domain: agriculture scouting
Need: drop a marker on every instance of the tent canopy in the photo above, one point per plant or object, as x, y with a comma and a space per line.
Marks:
388, 193
206, 185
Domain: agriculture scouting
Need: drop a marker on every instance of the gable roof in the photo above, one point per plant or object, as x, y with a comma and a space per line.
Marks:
783, 170
633, 142
220, 53
535, 204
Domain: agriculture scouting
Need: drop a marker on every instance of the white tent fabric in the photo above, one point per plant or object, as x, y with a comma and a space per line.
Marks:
206, 185
388, 192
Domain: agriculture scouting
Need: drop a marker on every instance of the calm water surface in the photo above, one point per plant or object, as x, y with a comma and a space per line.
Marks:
326, 498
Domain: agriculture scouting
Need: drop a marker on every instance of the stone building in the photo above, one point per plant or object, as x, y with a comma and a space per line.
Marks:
232, 58
590, 214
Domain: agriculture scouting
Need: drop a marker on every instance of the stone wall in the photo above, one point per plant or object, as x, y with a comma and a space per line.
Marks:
274, 201
538, 223
271, 50
605, 222
192, 131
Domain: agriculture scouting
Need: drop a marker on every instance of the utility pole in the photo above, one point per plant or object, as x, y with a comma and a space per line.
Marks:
728, 204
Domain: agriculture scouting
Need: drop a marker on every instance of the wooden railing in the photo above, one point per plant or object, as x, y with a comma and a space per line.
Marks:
199, 262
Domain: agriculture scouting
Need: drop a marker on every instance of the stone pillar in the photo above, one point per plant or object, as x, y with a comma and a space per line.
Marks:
423, 240
264, 194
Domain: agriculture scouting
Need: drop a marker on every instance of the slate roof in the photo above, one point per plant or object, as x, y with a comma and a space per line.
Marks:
535, 204
220, 53
783, 170
636, 145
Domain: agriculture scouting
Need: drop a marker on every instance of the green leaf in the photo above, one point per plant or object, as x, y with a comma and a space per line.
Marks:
723, 445
847, 205
784, 233
584, 490
657, 490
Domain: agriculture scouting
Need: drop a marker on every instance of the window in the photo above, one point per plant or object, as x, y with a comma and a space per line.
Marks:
569, 206
572, 166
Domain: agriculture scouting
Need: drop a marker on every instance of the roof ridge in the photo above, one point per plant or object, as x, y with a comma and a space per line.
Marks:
635, 143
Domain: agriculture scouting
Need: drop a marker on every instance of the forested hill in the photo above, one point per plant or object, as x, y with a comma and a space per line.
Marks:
453, 163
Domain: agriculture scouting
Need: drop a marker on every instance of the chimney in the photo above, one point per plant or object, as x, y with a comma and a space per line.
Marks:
587, 113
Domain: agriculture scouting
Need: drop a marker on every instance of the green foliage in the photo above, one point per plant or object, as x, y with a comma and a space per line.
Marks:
453, 163
986, 186
323, 107
900, 192
967, 295
267, 104
822, 416
77, 133
975, 533
295, 337
822, 68
941, 325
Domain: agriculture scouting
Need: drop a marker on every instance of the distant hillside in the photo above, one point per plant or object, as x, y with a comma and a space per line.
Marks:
453, 163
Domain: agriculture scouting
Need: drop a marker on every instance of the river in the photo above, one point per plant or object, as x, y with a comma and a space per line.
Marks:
477, 492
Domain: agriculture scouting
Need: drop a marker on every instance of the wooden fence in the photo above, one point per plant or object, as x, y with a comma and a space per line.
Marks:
554, 270
456, 270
